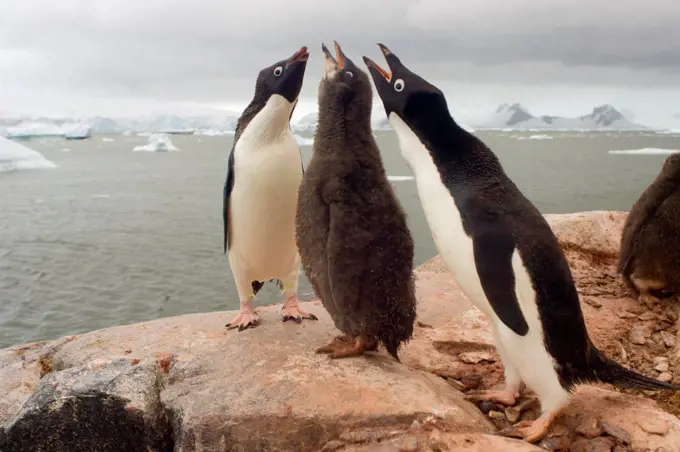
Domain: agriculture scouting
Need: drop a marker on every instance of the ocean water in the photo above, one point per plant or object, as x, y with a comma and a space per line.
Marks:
113, 236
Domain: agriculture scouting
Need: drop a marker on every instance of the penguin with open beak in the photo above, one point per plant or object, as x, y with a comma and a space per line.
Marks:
500, 250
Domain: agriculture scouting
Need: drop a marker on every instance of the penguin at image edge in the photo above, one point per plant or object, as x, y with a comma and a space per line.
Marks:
260, 193
501, 251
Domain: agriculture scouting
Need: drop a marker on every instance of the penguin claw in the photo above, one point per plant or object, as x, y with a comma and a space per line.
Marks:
244, 320
296, 314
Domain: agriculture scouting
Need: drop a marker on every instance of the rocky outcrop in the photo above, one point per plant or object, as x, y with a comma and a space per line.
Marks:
187, 384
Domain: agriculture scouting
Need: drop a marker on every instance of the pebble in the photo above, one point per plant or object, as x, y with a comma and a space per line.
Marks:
592, 302
635, 309
496, 415
653, 426
471, 381
556, 443
638, 335
476, 357
409, 444
615, 431
512, 414
332, 445
649, 315
621, 448
601, 444
668, 339
660, 359
485, 406
626, 315
589, 427
662, 366
665, 377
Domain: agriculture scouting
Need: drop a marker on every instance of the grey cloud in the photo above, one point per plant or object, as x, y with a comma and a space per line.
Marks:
209, 50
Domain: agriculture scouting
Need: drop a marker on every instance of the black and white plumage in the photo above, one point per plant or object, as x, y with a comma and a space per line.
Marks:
500, 249
260, 192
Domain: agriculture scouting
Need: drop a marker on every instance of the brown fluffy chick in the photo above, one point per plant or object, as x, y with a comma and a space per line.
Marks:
354, 242
650, 243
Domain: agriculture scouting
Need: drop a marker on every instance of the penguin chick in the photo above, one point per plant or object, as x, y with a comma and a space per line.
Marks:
260, 193
501, 252
650, 244
354, 242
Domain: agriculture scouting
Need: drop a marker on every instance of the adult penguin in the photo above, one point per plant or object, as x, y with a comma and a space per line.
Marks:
500, 250
260, 193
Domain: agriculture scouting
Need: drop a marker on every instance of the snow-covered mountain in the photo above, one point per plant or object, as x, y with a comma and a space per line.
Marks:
306, 124
515, 116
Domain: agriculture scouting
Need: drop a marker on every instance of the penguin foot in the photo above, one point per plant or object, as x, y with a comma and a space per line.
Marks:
245, 319
295, 314
335, 343
341, 348
532, 431
502, 396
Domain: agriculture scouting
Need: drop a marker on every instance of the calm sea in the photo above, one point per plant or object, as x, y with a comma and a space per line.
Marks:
113, 236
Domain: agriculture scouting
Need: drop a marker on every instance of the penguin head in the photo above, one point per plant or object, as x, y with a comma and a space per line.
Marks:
344, 89
283, 78
405, 93
671, 167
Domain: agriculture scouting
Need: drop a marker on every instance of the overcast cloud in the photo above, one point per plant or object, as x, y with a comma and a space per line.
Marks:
87, 55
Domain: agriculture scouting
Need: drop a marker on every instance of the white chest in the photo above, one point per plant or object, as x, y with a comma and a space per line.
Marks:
442, 215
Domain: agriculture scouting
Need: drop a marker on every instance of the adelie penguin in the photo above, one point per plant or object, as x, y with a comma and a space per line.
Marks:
354, 242
650, 244
500, 250
260, 192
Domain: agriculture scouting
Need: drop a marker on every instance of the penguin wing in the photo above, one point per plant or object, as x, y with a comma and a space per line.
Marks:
228, 186
493, 247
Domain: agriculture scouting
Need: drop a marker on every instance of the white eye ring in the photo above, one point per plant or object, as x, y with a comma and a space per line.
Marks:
399, 85
278, 71
349, 74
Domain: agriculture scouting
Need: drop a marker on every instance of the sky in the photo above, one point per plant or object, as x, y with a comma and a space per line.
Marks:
137, 57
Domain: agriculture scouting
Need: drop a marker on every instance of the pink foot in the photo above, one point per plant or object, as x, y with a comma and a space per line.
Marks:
245, 319
291, 311
532, 431
503, 396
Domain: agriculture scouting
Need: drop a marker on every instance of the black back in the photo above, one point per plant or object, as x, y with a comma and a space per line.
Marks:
495, 215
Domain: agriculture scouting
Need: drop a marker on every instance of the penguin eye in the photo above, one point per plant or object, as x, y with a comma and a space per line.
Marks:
399, 85
349, 74
278, 71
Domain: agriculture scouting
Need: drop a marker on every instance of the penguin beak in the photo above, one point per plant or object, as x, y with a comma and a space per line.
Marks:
333, 64
375, 69
301, 55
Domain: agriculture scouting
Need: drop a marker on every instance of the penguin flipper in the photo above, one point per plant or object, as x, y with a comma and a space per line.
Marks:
228, 187
493, 248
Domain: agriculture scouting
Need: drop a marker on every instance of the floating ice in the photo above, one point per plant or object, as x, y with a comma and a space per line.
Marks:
158, 142
304, 141
108, 140
14, 156
399, 178
76, 131
535, 137
214, 132
645, 151
27, 130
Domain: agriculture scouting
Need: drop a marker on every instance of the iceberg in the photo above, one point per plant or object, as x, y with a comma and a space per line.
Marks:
158, 142
76, 131
28, 130
14, 156
644, 151
535, 137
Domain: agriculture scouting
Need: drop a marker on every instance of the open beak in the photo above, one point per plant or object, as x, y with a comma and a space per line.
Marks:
372, 65
332, 63
301, 55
